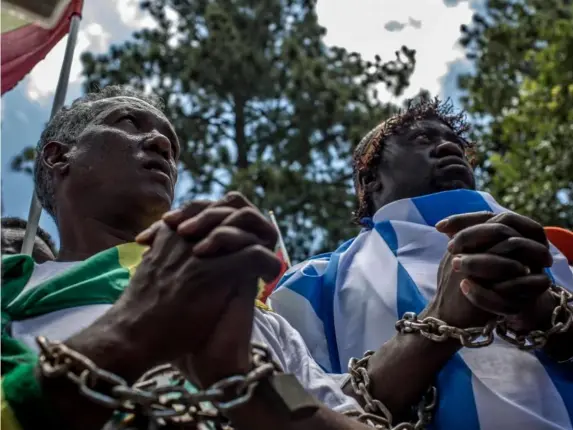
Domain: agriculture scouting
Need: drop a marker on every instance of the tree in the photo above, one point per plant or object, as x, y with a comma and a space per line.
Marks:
521, 100
261, 105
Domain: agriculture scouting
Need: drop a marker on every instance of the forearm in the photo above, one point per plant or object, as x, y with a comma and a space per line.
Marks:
559, 346
404, 368
258, 414
103, 345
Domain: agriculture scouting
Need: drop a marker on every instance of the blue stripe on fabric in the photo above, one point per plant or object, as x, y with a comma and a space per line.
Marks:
290, 273
456, 407
435, 207
327, 317
562, 378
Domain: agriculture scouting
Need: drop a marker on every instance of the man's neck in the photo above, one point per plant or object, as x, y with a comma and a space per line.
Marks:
82, 240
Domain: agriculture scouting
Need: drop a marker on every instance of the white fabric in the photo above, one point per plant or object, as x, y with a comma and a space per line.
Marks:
286, 345
347, 302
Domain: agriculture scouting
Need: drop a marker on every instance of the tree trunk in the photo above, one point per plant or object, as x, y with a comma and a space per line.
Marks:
240, 137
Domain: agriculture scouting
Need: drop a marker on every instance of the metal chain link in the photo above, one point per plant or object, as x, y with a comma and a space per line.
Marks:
561, 320
439, 331
376, 414
160, 406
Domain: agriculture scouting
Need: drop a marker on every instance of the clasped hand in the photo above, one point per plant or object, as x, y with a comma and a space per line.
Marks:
494, 267
192, 297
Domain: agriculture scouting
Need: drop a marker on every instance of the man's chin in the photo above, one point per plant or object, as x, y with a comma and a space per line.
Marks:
453, 184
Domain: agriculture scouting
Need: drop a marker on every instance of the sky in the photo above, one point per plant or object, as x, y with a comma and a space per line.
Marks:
369, 27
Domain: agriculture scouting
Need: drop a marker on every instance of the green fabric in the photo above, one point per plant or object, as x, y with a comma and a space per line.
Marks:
21, 390
98, 280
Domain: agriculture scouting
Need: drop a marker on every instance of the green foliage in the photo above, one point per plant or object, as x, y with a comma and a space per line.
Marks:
521, 98
261, 105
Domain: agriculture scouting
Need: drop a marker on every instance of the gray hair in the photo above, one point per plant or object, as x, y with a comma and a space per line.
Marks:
67, 125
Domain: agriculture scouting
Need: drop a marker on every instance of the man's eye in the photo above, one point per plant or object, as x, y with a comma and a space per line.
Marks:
129, 119
423, 138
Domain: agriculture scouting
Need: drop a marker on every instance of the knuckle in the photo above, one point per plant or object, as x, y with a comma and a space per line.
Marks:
505, 217
223, 232
250, 214
195, 206
235, 197
257, 251
504, 230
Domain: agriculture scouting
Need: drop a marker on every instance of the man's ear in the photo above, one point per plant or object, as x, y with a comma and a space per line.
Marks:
369, 183
54, 156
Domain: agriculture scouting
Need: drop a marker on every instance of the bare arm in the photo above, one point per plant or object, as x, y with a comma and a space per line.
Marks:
403, 369
105, 343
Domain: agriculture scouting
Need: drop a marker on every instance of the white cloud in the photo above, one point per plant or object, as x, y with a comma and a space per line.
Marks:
93, 36
358, 25
44, 77
132, 16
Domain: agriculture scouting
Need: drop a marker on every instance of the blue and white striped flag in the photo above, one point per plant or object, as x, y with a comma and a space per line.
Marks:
347, 302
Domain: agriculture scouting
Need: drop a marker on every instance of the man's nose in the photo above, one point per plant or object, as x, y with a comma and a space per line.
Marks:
446, 148
158, 143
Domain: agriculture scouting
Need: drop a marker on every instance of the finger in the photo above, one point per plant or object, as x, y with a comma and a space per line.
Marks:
524, 288
527, 251
262, 262
232, 200
488, 267
253, 221
175, 217
201, 225
147, 236
526, 227
225, 240
456, 223
488, 300
479, 238
235, 200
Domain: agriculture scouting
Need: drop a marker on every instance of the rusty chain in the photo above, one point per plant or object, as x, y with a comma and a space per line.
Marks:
160, 406
175, 406
376, 414
439, 331
561, 320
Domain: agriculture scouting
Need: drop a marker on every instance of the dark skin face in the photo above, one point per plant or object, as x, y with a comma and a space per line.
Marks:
12, 239
426, 158
118, 179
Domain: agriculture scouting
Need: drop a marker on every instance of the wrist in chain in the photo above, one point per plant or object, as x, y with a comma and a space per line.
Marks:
439, 331
477, 337
376, 414
165, 405
561, 320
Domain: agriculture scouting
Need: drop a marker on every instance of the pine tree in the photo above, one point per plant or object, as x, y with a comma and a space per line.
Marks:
261, 105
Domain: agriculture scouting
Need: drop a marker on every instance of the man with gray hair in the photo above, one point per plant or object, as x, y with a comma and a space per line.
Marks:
13, 230
79, 331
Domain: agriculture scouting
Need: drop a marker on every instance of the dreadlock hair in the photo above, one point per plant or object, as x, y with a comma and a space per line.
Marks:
368, 153
19, 224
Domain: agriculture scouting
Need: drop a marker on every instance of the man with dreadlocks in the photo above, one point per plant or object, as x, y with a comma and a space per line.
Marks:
460, 331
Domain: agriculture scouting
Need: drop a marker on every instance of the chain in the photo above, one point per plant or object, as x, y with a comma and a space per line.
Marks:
561, 320
376, 413
160, 406
439, 331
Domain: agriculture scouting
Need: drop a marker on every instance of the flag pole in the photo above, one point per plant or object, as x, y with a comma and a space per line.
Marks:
281, 241
59, 98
